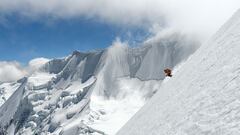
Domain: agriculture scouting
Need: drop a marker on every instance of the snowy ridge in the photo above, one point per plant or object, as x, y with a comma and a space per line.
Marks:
9, 111
6, 90
85, 93
202, 97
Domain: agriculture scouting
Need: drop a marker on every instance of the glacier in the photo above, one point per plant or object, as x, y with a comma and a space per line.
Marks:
94, 92
202, 98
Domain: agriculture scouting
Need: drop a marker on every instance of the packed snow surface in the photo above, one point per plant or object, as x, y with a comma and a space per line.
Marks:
203, 96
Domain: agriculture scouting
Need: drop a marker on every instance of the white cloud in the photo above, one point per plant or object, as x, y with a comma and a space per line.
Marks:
36, 63
132, 12
195, 17
12, 71
202, 17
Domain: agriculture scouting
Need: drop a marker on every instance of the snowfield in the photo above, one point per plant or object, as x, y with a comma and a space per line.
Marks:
202, 97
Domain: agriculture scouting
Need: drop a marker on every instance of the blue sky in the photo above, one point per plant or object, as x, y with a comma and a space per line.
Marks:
23, 40
30, 29
33, 28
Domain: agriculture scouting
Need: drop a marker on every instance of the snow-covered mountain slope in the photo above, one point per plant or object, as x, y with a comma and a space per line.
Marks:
203, 96
93, 92
6, 90
145, 63
115, 111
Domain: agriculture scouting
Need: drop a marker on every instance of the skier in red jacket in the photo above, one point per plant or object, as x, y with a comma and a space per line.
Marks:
168, 72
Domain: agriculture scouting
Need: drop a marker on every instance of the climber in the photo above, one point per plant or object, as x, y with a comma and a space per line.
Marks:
168, 72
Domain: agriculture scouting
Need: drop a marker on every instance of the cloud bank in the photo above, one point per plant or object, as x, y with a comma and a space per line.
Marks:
36, 63
193, 17
12, 70
202, 17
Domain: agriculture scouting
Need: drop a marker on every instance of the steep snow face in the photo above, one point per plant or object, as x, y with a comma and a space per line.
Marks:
76, 66
6, 90
114, 64
8, 111
203, 95
166, 52
145, 63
